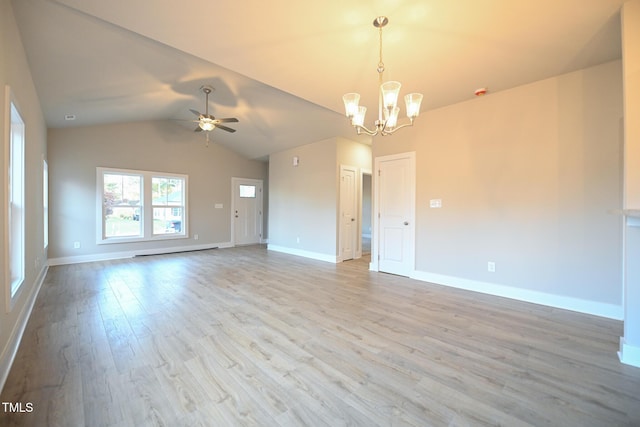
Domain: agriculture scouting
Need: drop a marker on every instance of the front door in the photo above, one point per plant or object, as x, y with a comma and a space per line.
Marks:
395, 182
247, 211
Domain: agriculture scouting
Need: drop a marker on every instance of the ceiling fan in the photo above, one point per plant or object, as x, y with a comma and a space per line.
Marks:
206, 122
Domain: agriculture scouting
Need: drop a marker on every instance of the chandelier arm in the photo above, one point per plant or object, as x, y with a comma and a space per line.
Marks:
365, 130
389, 132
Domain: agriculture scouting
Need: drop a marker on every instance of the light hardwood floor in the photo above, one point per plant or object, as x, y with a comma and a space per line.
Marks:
245, 336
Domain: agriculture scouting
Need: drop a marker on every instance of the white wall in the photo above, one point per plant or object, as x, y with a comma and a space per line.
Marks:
75, 153
527, 178
14, 71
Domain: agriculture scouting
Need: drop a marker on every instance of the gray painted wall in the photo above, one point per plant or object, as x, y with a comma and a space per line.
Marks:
75, 153
527, 178
304, 199
14, 71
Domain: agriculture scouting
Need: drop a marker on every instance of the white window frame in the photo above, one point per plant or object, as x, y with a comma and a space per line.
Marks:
181, 206
45, 202
146, 208
103, 206
14, 170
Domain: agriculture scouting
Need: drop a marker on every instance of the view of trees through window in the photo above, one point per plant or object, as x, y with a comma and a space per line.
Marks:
167, 205
122, 204
124, 212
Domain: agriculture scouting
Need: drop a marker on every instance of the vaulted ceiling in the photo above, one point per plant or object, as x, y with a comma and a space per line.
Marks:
282, 66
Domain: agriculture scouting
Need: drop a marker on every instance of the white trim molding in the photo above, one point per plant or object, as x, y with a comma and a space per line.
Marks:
11, 349
629, 354
107, 256
611, 311
306, 254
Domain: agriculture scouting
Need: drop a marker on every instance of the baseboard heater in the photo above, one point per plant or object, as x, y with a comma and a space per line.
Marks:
180, 251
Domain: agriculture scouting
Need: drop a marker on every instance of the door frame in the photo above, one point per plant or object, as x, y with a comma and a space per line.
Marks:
234, 183
375, 238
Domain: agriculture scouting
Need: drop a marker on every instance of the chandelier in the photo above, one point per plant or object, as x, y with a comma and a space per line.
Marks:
387, 122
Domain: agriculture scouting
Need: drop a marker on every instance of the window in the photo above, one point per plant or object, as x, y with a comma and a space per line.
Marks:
16, 199
248, 191
122, 202
168, 205
45, 201
140, 205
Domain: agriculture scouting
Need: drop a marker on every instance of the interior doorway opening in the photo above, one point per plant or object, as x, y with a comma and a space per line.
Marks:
366, 212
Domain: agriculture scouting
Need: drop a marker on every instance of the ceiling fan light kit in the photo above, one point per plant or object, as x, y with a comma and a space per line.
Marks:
207, 122
387, 122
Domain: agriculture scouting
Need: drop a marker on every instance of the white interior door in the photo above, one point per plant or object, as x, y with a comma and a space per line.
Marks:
247, 211
348, 212
395, 182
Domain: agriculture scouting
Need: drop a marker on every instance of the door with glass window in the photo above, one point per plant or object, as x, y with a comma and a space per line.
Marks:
246, 211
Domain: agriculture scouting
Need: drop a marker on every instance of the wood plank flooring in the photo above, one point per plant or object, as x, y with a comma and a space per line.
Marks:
245, 336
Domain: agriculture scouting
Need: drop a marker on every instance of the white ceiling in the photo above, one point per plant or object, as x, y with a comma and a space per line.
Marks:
281, 67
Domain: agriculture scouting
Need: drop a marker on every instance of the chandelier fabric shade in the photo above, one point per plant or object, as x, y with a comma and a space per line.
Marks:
388, 110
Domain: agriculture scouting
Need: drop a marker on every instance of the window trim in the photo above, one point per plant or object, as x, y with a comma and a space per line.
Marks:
45, 203
146, 208
181, 206
14, 288
101, 208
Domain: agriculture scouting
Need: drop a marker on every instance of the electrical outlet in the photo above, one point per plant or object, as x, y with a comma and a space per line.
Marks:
76, 245
435, 203
196, 237
491, 266
297, 239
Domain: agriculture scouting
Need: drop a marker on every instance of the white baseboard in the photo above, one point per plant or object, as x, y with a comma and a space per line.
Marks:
629, 354
130, 254
11, 348
77, 259
305, 254
610, 311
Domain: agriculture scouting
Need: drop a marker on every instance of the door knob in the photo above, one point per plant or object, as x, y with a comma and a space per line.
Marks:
406, 223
